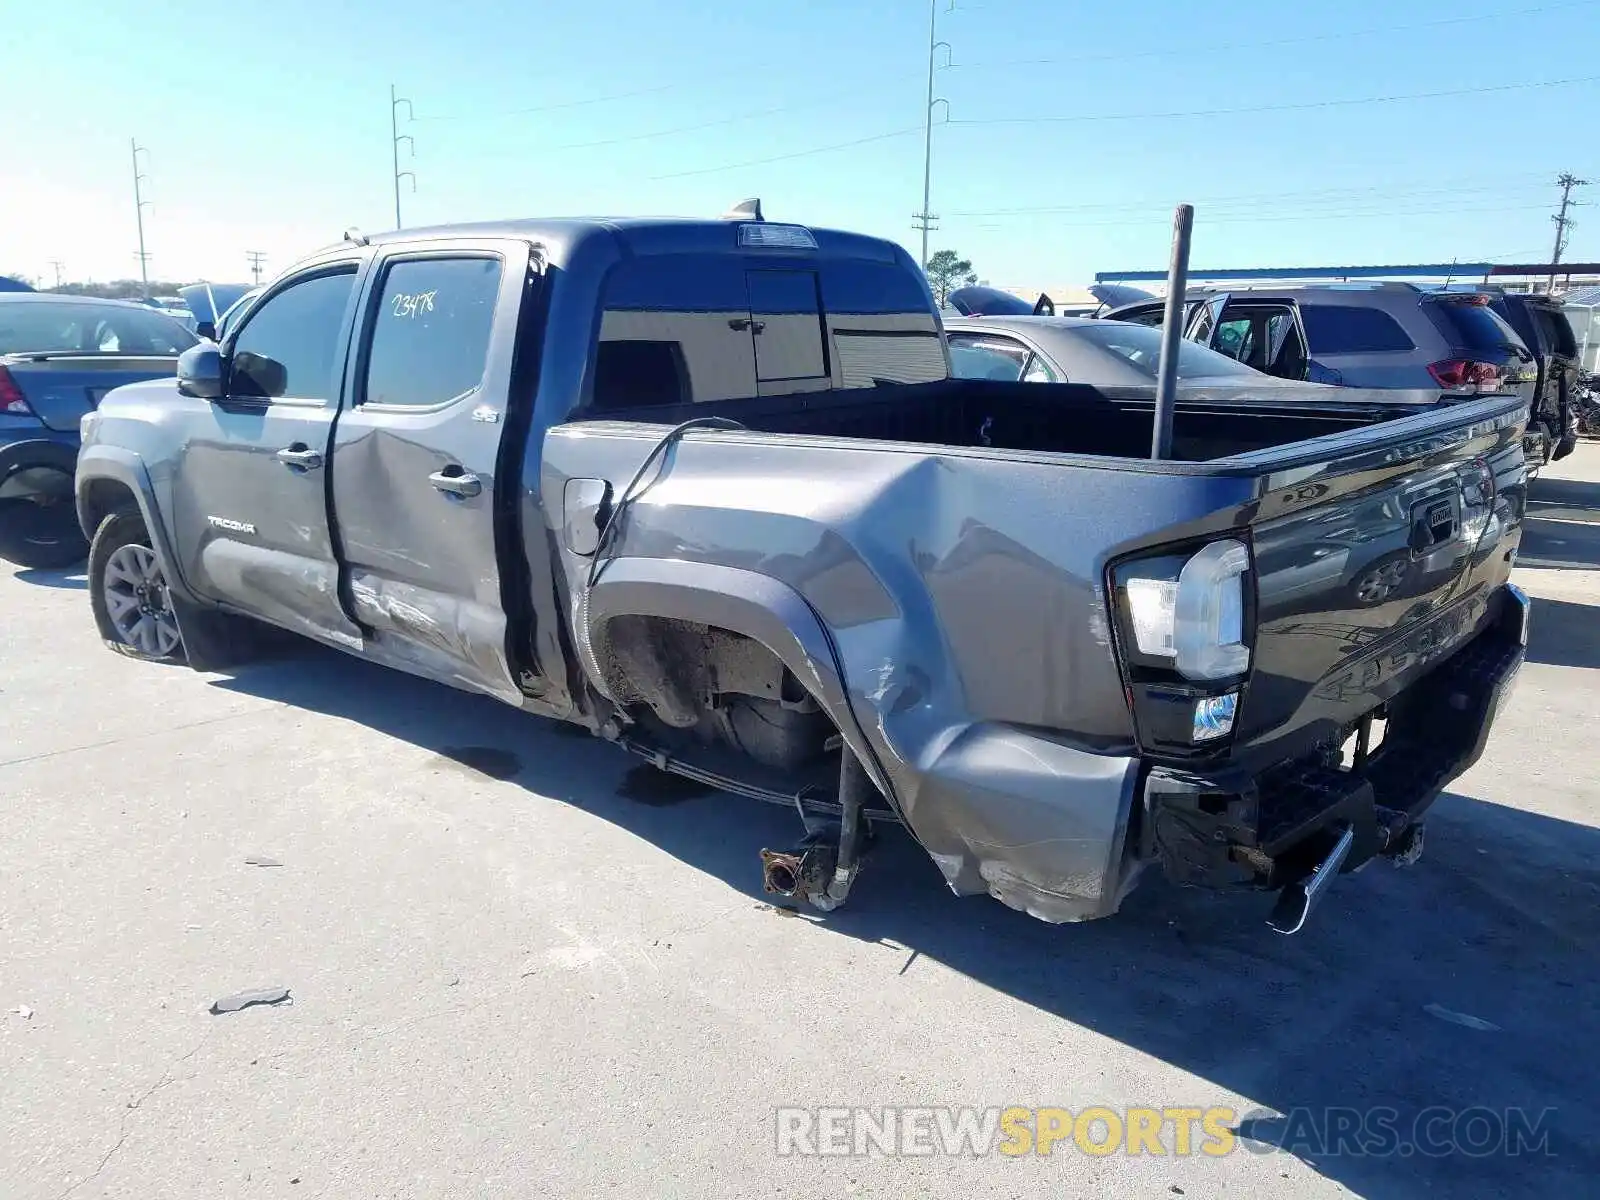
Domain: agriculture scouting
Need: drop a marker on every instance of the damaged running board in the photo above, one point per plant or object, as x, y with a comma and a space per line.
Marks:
1297, 900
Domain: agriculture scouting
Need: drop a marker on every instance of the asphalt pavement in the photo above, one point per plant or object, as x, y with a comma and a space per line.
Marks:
518, 965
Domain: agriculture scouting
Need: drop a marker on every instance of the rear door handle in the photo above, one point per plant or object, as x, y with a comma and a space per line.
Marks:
456, 481
300, 457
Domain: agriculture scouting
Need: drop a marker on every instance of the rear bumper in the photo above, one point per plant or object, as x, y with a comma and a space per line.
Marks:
1064, 834
1272, 829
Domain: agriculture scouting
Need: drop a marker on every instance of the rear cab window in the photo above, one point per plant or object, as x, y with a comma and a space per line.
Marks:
694, 328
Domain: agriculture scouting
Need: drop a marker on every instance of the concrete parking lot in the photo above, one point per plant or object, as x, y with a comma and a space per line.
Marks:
521, 968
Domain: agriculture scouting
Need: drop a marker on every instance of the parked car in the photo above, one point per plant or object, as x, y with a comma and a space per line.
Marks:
979, 300
208, 301
234, 311
1102, 353
1543, 326
1426, 346
58, 356
707, 489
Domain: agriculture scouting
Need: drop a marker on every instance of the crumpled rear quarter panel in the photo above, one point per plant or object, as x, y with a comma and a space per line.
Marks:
965, 595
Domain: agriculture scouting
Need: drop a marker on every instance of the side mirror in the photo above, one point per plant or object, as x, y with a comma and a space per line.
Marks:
200, 371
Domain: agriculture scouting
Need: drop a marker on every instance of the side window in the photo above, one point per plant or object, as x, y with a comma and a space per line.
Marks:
979, 356
1039, 371
289, 347
1349, 329
1154, 315
1556, 330
430, 335
675, 329
1234, 338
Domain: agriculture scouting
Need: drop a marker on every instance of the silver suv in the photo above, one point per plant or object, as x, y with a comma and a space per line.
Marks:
1378, 335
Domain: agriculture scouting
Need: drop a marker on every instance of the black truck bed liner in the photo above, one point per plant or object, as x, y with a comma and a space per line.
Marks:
1061, 418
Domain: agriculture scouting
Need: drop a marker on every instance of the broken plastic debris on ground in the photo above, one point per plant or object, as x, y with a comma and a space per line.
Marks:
233, 1003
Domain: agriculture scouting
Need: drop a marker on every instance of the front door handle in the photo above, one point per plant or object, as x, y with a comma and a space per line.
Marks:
300, 457
456, 481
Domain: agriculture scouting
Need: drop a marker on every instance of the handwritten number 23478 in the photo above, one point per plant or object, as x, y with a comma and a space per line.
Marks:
413, 305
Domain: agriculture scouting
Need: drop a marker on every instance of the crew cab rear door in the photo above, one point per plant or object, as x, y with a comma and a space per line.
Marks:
417, 473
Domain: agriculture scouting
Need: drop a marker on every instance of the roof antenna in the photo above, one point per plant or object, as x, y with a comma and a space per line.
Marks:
745, 210
1448, 278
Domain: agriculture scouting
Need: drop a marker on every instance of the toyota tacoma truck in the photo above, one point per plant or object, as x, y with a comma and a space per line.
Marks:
708, 489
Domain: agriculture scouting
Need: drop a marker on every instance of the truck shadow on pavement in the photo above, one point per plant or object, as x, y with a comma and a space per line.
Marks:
1561, 528
71, 579
1564, 633
1465, 983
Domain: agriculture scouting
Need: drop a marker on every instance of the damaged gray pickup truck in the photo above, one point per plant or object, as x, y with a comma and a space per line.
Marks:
708, 489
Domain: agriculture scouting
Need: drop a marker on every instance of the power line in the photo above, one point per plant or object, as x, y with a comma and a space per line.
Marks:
1566, 182
1307, 218
761, 162
717, 124
1336, 196
1341, 35
588, 101
1092, 117
541, 108
1077, 118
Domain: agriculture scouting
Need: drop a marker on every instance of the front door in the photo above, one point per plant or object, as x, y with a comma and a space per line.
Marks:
249, 483
418, 488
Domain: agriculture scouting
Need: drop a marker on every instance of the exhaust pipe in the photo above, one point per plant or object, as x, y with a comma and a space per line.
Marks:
1296, 901
780, 872
802, 872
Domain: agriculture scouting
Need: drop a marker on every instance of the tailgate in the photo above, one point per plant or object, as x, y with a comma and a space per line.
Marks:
60, 389
1376, 555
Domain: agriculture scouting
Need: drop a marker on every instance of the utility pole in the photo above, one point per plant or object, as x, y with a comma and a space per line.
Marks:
57, 264
256, 258
139, 203
925, 219
1566, 182
396, 138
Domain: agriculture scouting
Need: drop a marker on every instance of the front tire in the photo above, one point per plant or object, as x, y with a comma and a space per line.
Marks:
128, 592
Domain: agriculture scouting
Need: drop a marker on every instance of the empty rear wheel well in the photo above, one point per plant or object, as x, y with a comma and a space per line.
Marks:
723, 685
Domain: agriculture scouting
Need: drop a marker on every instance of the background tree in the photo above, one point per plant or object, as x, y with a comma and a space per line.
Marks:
946, 270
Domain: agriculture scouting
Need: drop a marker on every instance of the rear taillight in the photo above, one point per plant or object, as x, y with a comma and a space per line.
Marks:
12, 401
1185, 640
1458, 374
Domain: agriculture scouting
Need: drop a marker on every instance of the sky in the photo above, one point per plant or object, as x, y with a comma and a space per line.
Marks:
1337, 132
